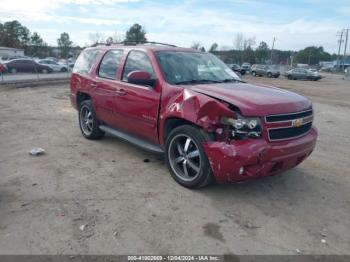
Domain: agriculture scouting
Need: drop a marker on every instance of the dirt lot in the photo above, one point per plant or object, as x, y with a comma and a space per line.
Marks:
129, 206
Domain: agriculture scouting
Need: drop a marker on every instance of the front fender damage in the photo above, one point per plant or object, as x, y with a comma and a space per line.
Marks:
199, 109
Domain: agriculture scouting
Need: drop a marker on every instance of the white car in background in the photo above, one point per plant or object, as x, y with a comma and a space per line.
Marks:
56, 67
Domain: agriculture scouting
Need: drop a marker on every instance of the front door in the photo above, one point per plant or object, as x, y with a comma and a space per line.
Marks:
137, 104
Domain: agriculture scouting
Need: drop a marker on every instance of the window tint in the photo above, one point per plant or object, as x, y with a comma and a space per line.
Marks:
137, 61
85, 61
110, 63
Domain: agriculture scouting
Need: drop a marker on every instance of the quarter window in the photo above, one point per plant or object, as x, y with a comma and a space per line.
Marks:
85, 61
110, 64
137, 61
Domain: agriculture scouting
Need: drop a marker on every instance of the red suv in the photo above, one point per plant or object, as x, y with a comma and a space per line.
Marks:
189, 105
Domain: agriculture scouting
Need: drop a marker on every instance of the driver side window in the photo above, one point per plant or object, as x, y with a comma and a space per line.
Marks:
137, 61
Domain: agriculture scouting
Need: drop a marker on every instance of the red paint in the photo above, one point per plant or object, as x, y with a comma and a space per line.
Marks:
143, 111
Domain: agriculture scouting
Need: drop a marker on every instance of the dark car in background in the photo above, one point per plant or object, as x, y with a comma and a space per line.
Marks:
236, 68
27, 66
265, 70
302, 74
246, 66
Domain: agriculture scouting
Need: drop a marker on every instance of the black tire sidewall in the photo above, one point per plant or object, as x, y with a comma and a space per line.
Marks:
194, 133
96, 131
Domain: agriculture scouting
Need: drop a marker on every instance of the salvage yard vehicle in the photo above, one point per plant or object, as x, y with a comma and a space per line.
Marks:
56, 67
264, 70
25, 65
302, 74
191, 107
236, 68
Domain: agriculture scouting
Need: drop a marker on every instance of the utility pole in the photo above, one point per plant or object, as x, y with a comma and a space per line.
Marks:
273, 45
346, 43
340, 41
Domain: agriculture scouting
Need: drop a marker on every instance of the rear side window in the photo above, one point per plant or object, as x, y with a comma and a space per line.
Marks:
137, 61
85, 61
110, 64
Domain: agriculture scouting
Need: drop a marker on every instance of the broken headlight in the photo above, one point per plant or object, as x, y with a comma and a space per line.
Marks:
243, 127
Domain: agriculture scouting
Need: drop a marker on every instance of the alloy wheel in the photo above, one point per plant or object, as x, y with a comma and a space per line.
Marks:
184, 157
86, 121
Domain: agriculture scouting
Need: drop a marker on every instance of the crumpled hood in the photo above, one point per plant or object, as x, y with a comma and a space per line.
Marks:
255, 100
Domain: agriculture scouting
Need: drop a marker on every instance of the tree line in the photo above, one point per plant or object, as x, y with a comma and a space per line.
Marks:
243, 50
14, 34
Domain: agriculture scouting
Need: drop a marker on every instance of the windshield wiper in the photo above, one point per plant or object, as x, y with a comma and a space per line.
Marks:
197, 81
232, 80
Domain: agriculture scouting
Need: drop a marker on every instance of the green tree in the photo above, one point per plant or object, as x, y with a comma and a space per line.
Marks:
65, 44
37, 46
312, 55
248, 55
136, 34
109, 40
13, 34
262, 52
213, 47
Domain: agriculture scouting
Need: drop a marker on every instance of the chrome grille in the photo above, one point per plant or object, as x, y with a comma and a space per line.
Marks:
289, 126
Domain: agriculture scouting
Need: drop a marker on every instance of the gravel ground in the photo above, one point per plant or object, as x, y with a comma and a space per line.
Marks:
102, 197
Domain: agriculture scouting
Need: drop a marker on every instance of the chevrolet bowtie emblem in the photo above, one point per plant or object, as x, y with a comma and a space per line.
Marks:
297, 122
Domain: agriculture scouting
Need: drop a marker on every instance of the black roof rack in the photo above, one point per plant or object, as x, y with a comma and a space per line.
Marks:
146, 42
132, 43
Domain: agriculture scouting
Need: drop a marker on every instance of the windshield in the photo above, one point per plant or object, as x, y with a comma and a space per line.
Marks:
194, 67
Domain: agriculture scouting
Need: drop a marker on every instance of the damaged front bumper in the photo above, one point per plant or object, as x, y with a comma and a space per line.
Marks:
242, 160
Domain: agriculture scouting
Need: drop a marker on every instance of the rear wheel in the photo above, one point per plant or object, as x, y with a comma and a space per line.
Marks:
44, 71
186, 159
290, 77
88, 122
13, 70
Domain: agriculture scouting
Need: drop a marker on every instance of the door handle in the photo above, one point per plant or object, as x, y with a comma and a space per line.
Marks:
121, 92
93, 84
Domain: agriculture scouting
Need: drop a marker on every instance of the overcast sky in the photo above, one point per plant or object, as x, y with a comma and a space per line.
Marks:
296, 24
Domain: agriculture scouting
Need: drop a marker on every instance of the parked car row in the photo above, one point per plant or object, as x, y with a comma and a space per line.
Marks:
303, 74
265, 70
25, 65
30, 65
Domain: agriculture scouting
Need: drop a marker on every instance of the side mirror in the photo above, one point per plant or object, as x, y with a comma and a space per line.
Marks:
140, 78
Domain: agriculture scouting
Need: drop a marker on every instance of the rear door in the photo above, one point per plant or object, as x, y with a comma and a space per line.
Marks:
137, 104
107, 86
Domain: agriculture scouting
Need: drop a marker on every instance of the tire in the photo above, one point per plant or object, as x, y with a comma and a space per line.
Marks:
269, 75
63, 69
13, 70
186, 158
44, 71
253, 73
290, 77
88, 123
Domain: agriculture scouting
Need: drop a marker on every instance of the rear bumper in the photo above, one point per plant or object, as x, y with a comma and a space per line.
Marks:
258, 157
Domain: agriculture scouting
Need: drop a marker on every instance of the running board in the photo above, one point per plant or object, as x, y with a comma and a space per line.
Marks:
134, 140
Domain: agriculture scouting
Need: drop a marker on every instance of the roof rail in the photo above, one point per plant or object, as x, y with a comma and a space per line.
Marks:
146, 42
131, 43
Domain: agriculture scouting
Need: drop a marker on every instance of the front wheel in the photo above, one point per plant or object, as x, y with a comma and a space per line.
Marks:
88, 122
269, 75
186, 159
253, 73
